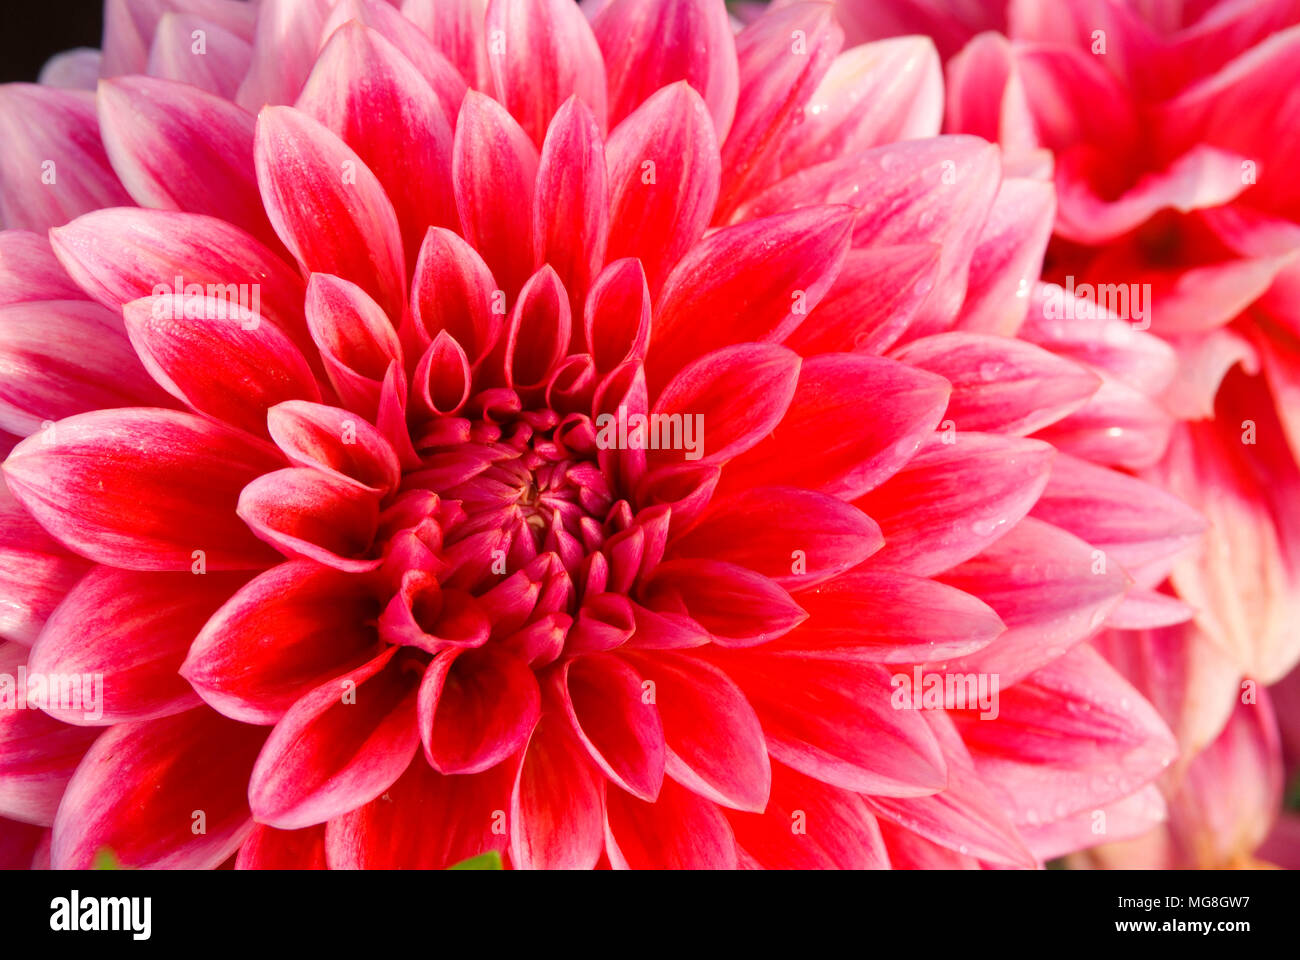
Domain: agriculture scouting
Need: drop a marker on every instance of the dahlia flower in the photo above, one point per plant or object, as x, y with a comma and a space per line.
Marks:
1159, 124
466, 427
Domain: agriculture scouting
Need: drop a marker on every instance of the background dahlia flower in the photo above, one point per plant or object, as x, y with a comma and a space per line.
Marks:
367, 584
1164, 127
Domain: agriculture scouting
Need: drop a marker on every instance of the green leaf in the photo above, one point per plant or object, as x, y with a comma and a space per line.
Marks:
484, 861
105, 859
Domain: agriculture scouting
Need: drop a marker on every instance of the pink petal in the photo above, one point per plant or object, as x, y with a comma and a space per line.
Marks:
340, 746
457, 28
754, 281
140, 786
861, 439
938, 190
355, 337
1137, 524
679, 830
782, 57
965, 816
494, 171
37, 752
1000, 384
123, 254
29, 271
143, 489
35, 572
542, 52
650, 44
477, 707
64, 357
218, 66
178, 148
1008, 257
1050, 589
311, 179
284, 633
54, 167
664, 171
363, 89
872, 94
133, 628
953, 500
285, 44
1072, 736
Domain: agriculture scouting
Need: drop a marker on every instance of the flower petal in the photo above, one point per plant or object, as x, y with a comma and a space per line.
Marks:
143, 489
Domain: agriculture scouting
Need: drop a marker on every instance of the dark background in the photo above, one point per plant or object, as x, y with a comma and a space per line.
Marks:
32, 31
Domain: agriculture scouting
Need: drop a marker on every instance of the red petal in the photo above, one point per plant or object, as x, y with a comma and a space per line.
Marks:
304, 512
738, 394
425, 821
328, 207
795, 537
860, 438
715, 742
363, 89
143, 489
134, 628
736, 606
833, 721
906, 619
542, 52
287, 631
197, 347
811, 825
494, 173
650, 44
605, 702
571, 218
141, 788
754, 281
664, 171
557, 808
680, 830
340, 746
477, 707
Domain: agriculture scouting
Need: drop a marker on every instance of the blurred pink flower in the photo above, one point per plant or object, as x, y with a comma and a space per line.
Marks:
369, 578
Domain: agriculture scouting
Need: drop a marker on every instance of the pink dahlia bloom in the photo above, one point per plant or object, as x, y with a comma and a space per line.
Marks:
380, 565
1159, 125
